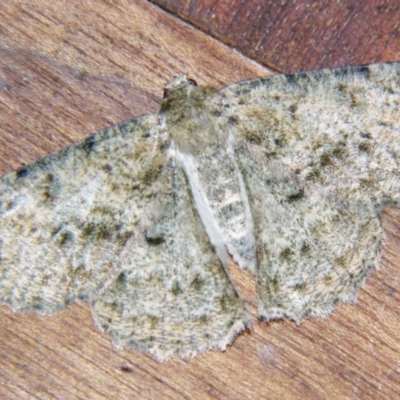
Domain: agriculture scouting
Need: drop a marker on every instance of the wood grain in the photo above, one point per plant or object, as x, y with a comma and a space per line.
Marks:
296, 35
68, 69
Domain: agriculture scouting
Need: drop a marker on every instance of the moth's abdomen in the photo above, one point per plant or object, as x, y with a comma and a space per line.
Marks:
226, 200
221, 200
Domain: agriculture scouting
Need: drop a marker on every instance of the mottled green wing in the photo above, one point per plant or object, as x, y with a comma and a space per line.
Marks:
111, 220
320, 156
180, 300
66, 219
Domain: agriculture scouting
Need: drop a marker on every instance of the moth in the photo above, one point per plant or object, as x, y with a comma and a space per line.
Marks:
286, 174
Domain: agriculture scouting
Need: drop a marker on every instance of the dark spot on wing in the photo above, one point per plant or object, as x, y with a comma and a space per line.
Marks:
296, 196
354, 100
364, 146
155, 235
233, 120
216, 113
291, 78
107, 168
197, 283
176, 289
22, 172
89, 144
99, 230
325, 160
253, 83
120, 281
305, 248
286, 253
280, 142
366, 135
300, 287
364, 70
37, 306
64, 238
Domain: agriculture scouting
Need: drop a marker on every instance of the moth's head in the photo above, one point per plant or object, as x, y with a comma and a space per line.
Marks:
182, 92
180, 85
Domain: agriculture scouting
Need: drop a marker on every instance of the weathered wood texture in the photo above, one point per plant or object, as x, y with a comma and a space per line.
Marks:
68, 69
296, 35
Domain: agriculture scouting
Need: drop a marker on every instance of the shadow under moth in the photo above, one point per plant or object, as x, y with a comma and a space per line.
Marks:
286, 174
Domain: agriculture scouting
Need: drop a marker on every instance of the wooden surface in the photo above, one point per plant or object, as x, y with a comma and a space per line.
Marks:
68, 69
295, 35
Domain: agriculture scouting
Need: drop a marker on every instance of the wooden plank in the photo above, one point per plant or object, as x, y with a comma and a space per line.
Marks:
290, 36
68, 69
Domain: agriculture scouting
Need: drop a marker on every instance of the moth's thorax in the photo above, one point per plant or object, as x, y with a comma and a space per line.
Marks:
187, 111
203, 150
